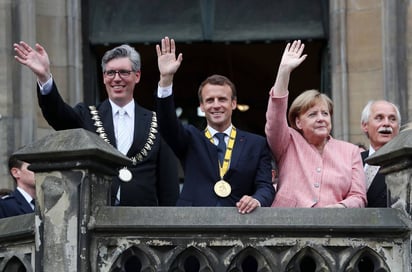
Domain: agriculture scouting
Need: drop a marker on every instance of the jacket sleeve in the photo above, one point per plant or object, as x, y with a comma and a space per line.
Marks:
357, 195
264, 188
168, 179
58, 113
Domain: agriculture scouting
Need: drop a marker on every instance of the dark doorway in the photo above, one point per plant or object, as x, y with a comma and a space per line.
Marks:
241, 39
251, 66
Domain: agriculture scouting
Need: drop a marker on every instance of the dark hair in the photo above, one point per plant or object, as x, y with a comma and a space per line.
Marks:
217, 80
14, 163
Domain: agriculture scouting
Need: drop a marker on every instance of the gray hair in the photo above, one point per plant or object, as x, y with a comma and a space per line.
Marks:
366, 112
122, 51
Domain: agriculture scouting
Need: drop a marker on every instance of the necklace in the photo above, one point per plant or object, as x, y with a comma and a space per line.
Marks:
222, 188
124, 173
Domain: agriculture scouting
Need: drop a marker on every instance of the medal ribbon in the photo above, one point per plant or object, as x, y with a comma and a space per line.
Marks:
228, 154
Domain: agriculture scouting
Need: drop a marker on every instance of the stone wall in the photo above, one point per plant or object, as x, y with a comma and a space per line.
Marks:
370, 48
74, 229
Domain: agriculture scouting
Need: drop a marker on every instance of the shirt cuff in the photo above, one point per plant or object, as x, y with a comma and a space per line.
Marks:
45, 89
163, 92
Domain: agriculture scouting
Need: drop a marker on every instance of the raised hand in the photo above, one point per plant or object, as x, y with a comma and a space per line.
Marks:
37, 60
292, 56
167, 61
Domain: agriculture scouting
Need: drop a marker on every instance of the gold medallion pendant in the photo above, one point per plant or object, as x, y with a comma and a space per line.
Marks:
222, 188
125, 175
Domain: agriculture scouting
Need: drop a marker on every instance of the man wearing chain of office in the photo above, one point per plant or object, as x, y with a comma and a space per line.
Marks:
152, 180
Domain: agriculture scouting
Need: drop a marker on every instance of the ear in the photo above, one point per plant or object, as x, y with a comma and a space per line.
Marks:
138, 75
298, 123
234, 104
364, 127
104, 78
14, 172
202, 107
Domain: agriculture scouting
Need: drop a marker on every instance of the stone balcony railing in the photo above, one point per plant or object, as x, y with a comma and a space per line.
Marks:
74, 229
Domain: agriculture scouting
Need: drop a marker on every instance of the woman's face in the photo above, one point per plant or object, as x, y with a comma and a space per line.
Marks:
315, 123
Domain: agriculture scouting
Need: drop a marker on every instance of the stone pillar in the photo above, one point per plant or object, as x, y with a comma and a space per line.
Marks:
395, 159
339, 67
73, 173
394, 36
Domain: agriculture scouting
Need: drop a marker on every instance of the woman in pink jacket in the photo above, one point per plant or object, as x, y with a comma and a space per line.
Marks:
315, 170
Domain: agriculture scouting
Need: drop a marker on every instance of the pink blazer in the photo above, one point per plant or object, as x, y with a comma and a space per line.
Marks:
306, 177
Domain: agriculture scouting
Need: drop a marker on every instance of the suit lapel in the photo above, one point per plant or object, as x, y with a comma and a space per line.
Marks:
23, 205
142, 122
106, 115
364, 155
237, 148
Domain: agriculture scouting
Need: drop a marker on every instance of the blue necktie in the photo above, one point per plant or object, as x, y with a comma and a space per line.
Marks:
221, 146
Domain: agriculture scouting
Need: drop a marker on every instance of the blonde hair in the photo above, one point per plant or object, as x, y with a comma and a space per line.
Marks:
305, 101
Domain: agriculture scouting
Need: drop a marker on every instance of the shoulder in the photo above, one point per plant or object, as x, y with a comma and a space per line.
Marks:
9, 199
343, 146
250, 135
141, 110
13, 194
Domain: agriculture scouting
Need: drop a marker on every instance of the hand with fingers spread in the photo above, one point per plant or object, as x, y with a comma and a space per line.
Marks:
37, 60
292, 57
247, 204
167, 61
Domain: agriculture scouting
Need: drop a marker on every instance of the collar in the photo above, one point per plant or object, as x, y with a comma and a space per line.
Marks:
129, 108
214, 131
25, 195
371, 151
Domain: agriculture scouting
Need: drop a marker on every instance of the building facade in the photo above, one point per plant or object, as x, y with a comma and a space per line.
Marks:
362, 49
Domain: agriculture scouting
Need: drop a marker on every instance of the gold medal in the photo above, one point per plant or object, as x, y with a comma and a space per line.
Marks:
222, 188
125, 175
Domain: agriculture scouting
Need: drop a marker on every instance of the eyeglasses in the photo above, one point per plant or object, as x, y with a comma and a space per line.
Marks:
122, 73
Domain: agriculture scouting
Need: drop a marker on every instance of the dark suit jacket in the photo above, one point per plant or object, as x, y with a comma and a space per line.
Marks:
155, 179
250, 165
377, 192
14, 204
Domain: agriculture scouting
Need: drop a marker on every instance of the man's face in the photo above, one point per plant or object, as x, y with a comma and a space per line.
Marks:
23, 176
119, 84
382, 125
217, 104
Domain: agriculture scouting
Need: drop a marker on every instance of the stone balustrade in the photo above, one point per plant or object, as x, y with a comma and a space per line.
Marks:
74, 229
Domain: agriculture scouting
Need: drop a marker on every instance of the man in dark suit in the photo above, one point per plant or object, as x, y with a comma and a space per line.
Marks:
21, 200
380, 122
242, 178
119, 120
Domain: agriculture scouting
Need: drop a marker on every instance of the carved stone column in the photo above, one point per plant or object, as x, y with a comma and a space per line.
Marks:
73, 173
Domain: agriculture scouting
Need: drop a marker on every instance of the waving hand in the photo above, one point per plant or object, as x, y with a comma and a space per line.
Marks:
37, 60
292, 57
167, 61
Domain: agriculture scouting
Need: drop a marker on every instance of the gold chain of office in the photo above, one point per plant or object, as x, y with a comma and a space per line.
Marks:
151, 137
